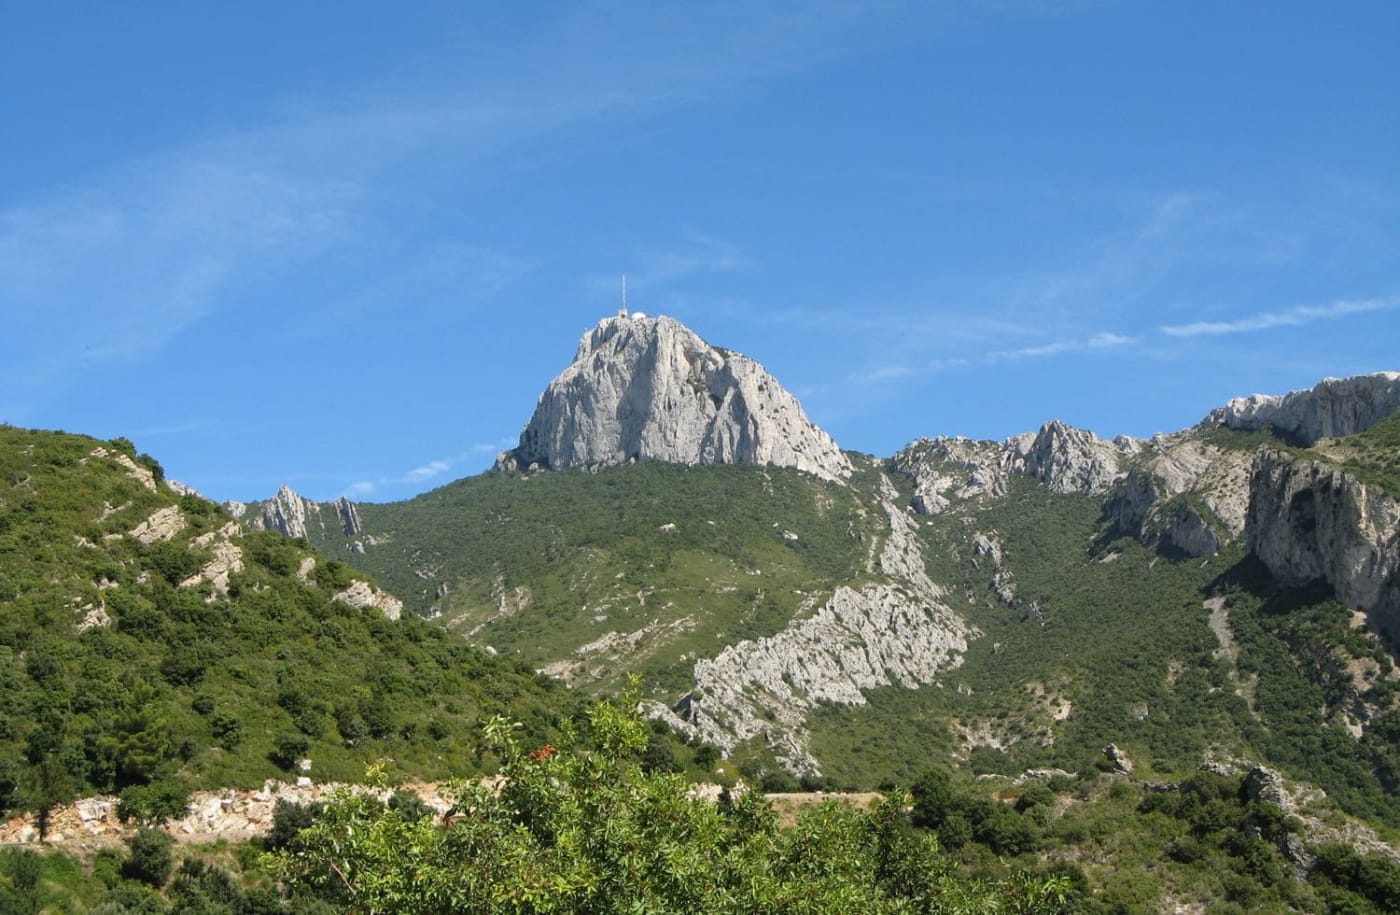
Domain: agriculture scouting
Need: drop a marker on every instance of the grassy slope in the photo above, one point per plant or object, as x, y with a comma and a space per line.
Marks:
591, 555
187, 684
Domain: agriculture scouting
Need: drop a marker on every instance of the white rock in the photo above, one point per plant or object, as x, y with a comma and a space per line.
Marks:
1332, 408
1310, 521
287, 513
163, 524
362, 594
651, 389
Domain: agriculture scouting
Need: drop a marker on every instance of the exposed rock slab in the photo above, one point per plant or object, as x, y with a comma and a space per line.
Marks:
227, 558
1070, 460
1310, 521
945, 470
361, 594
1184, 493
896, 632
163, 524
1333, 408
285, 513
643, 388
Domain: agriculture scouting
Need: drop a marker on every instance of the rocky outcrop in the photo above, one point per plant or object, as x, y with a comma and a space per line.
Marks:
643, 388
361, 595
163, 524
348, 515
1310, 521
226, 558
1333, 408
988, 546
948, 471
285, 513
1070, 460
1183, 494
945, 470
893, 632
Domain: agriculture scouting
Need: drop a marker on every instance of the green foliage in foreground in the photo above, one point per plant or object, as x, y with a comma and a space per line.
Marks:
589, 831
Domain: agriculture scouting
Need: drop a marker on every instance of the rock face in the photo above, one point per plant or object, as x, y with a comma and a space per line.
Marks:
1310, 521
285, 513
945, 470
1333, 408
1070, 460
643, 388
1185, 494
361, 594
893, 632
349, 517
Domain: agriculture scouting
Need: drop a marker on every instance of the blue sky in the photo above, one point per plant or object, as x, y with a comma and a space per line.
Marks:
346, 250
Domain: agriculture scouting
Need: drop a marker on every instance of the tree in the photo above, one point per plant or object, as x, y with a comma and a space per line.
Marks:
585, 828
150, 861
287, 749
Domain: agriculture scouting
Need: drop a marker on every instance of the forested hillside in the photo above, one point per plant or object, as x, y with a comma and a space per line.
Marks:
148, 645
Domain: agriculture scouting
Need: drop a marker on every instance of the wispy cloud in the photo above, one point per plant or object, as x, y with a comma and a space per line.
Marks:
655, 268
113, 266
491, 448
427, 471
1099, 341
699, 253
1292, 317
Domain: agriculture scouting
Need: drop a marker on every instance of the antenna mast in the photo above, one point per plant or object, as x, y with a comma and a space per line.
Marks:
624, 293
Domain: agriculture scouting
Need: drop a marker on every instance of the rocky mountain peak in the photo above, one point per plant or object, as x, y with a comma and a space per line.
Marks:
1332, 408
649, 388
1070, 460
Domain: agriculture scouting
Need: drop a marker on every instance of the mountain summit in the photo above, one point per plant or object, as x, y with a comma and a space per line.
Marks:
644, 388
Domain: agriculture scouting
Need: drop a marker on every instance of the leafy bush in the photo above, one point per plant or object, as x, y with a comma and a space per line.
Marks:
288, 749
166, 799
288, 820
150, 858
587, 829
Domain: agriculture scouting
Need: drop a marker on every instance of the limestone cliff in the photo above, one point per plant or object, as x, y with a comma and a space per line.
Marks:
642, 388
1185, 494
896, 630
292, 515
1310, 521
948, 470
1333, 408
1070, 460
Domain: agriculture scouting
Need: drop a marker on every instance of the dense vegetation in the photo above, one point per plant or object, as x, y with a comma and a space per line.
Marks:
584, 827
1107, 641
1110, 637
587, 830
119, 674
1373, 456
121, 671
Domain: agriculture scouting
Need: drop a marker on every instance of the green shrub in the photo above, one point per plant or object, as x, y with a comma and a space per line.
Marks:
150, 858
165, 799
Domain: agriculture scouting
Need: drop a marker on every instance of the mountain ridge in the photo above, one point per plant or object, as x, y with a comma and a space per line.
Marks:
754, 627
